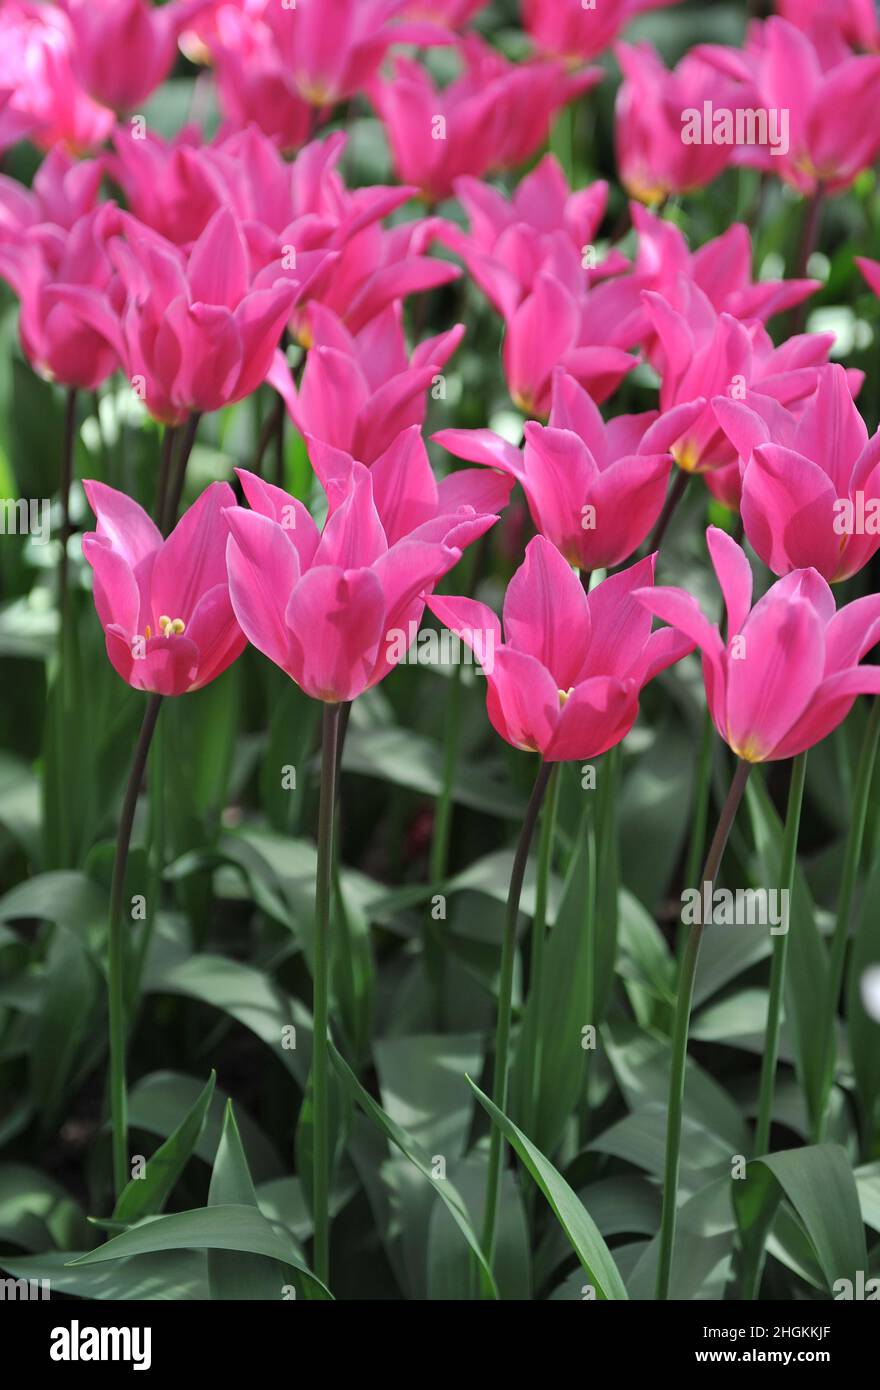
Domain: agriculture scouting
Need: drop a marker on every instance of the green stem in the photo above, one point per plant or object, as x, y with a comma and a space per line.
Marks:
116, 949
177, 474
439, 857
156, 790
670, 507
505, 1005
852, 858
680, 1028
780, 953
320, 1010
532, 1043
169, 438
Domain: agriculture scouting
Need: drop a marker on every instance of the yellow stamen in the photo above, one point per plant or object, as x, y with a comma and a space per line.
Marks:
171, 627
149, 632
565, 696
687, 456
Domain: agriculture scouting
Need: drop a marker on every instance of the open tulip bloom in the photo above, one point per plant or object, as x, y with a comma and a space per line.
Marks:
594, 490
789, 670
810, 482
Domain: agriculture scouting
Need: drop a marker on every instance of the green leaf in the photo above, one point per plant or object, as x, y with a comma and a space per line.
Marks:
176, 1276
450, 1197
575, 1220
238, 1276
147, 1195
806, 976
864, 1032
230, 1226
565, 1009
818, 1182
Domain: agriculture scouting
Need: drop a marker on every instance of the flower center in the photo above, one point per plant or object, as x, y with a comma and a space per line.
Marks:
169, 627
565, 696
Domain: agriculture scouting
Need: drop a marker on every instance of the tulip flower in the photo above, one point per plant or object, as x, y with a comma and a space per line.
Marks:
832, 135
329, 608
594, 490
297, 212
492, 117
163, 604
836, 27
47, 264
655, 162
788, 672
63, 191
282, 68
721, 268
565, 679
555, 326
196, 333
359, 391
544, 226
571, 30
41, 98
124, 49
705, 354
810, 482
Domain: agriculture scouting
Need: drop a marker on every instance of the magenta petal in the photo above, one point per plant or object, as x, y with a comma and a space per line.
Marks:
734, 575
124, 524
772, 681
290, 514
522, 700
193, 559
546, 613
829, 706
337, 624
263, 568
597, 715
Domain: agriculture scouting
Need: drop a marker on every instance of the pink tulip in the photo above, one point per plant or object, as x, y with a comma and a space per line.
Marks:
40, 97
163, 604
360, 391
835, 26
197, 332
544, 226
832, 135
810, 481
706, 354
565, 679
283, 68
124, 49
335, 610
494, 116
560, 324
654, 160
572, 30
789, 670
64, 190
594, 490
721, 268
299, 212
47, 265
